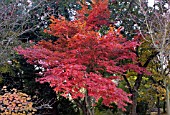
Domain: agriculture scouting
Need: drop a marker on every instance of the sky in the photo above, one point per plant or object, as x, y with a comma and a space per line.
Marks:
150, 2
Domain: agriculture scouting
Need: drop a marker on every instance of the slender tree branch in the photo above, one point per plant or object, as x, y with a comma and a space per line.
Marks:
128, 84
150, 58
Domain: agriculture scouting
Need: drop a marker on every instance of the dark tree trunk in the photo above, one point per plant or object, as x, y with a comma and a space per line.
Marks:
86, 110
134, 104
85, 106
158, 105
164, 107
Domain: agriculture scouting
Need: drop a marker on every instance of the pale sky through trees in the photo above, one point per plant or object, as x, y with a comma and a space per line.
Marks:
150, 2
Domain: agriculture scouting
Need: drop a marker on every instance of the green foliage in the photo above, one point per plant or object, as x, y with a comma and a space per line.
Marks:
1, 79
104, 30
104, 112
5, 68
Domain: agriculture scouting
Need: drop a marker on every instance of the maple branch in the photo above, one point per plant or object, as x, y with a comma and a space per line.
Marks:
128, 84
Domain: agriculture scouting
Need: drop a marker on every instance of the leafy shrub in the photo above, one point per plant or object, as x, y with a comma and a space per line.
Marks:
14, 102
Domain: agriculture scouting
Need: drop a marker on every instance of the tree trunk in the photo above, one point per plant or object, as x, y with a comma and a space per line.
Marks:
164, 106
88, 105
167, 100
85, 106
158, 105
87, 110
134, 104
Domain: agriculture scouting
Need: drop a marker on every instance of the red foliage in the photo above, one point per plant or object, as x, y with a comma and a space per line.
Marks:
98, 16
78, 60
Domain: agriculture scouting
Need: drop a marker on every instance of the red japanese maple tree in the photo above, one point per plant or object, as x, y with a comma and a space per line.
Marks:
76, 64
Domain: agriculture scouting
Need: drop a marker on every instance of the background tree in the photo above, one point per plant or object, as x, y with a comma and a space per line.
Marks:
159, 33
